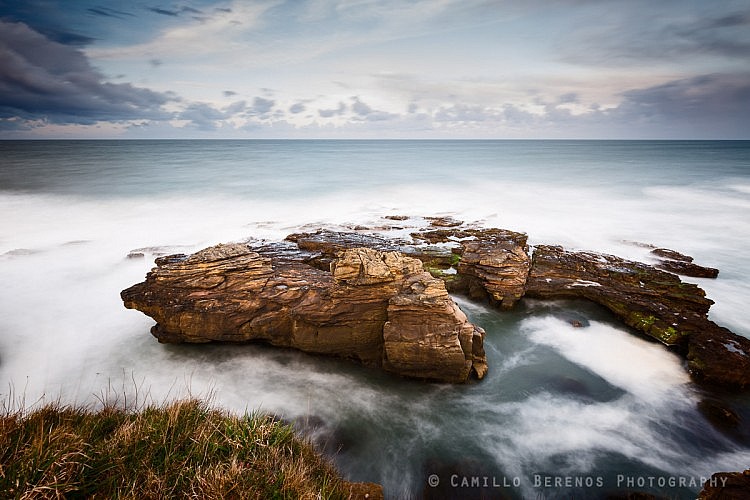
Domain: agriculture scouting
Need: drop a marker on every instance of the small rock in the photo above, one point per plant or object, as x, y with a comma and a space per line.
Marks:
671, 254
685, 268
444, 221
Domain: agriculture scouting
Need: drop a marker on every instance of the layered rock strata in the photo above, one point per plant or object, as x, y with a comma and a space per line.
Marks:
491, 263
293, 293
654, 302
678, 263
379, 308
494, 265
488, 264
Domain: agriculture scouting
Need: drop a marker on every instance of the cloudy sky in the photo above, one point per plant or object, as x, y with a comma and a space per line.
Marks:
375, 69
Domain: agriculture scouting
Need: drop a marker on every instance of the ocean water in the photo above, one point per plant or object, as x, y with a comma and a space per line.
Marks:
563, 411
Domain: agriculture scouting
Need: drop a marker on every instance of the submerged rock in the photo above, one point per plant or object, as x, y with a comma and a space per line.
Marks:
379, 308
721, 415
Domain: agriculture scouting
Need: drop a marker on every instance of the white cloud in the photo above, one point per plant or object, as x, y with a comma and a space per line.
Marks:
224, 32
492, 68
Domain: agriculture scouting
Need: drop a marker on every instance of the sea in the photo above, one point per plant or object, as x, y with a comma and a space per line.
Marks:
563, 412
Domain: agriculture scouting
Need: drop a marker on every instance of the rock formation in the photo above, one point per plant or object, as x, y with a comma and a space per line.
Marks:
379, 308
323, 292
491, 263
483, 263
678, 263
654, 302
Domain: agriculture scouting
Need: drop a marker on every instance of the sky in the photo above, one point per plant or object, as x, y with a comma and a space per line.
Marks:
369, 69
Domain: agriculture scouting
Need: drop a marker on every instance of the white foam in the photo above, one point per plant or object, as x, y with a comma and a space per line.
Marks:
65, 333
642, 368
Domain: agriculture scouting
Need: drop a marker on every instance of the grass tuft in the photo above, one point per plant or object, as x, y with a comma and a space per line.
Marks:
180, 449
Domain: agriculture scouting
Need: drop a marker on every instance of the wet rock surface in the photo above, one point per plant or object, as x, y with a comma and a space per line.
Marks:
678, 263
379, 308
291, 293
654, 302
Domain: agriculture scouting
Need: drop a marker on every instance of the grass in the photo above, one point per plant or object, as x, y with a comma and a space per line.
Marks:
181, 449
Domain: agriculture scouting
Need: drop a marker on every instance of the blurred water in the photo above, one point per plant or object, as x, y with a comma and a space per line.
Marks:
591, 404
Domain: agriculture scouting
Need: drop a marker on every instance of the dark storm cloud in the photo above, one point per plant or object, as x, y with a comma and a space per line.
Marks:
175, 13
736, 19
107, 12
49, 19
726, 36
191, 10
70, 38
42, 79
706, 106
718, 99
628, 38
164, 12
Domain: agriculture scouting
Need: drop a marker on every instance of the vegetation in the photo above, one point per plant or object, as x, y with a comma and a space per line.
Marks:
183, 449
455, 259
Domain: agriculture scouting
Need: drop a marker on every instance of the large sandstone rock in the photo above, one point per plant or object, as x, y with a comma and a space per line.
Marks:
490, 263
287, 295
485, 263
379, 308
